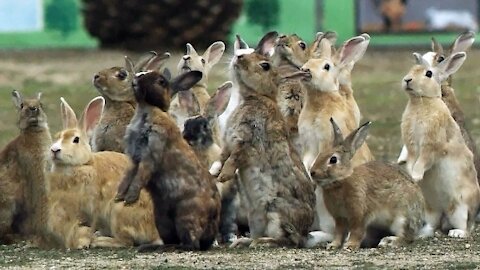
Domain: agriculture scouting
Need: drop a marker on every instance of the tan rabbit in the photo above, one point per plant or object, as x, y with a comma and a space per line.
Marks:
23, 162
186, 200
461, 44
372, 194
115, 85
204, 63
273, 182
83, 186
438, 157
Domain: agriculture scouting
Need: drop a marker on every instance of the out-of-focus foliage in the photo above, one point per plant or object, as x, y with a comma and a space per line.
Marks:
60, 15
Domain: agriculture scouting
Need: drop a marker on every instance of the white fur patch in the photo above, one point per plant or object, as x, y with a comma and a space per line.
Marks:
403, 155
243, 51
318, 237
429, 57
457, 233
57, 146
215, 168
142, 73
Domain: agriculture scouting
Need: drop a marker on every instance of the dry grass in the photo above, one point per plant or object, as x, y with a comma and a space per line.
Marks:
377, 89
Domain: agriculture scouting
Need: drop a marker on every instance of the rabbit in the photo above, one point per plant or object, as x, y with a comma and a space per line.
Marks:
273, 182
204, 63
82, 188
185, 197
323, 101
437, 156
115, 85
461, 44
372, 194
240, 47
23, 162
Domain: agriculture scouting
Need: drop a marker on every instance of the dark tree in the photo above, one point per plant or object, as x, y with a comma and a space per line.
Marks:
62, 16
263, 13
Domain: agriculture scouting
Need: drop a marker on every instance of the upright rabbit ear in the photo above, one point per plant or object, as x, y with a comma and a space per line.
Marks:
267, 43
355, 139
39, 95
143, 61
156, 62
337, 133
450, 65
239, 44
17, 99
167, 74
362, 47
437, 47
185, 81
69, 119
213, 53
463, 42
219, 101
318, 48
129, 66
191, 50
419, 60
351, 50
187, 100
92, 114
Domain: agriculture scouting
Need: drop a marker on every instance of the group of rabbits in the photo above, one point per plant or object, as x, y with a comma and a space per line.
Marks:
277, 155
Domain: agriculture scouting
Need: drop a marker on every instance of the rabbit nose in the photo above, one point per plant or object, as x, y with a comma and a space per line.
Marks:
55, 150
312, 173
186, 57
240, 56
96, 76
307, 70
407, 80
33, 109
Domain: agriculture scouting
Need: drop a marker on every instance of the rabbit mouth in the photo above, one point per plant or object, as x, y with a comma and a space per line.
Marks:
186, 68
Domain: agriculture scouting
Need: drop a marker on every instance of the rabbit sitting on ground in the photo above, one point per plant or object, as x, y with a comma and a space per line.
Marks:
186, 199
115, 85
273, 183
437, 156
23, 162
372, 194
82, 186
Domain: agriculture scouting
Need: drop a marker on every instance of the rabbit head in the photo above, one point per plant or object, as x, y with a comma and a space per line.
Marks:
115, 83
157, 89
254, 71
424, 80
193, 61
335, 164
198, 130
71, 146
461, 44
323, 71
292, 49
30, 112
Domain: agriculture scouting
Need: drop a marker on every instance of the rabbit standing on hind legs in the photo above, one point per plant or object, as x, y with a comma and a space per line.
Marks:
23, 162
276, 189
437, 156
186, 199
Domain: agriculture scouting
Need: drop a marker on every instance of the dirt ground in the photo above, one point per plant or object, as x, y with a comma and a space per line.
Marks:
376, 81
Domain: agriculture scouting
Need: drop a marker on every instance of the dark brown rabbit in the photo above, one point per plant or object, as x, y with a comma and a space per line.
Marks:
115, 85
273, 182
23, 162
186, 200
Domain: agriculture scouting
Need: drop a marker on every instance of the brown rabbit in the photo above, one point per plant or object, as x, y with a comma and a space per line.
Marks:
461, 44
115, 85
437, 156
273, 182
374, 193
82, 188
23, 162
186, 200
204, 63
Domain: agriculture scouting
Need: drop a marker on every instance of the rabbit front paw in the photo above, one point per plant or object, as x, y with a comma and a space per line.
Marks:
227, 173
457, 233
351, 246
334, 245
131, 196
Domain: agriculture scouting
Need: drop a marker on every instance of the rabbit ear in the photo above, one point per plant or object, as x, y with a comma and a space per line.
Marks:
219, 101
69, 119
92, 114
450, 65
419, 60
337, 133
355, 139
463, 42
39, 95
185, 81
157, 61
317, 48
352, 49
267, 43
437, 47
17, 99
191, 50
213, 54
239, 44
188, 101
362, 47
140, 66
129, 66
167, 74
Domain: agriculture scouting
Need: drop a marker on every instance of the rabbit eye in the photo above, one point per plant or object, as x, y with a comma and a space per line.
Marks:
440, 59
302, 45
122, 74
296, 97
76, 140
203, 61
21, 105
333, 160
429, 74
162, 82
265, 66
326, 67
